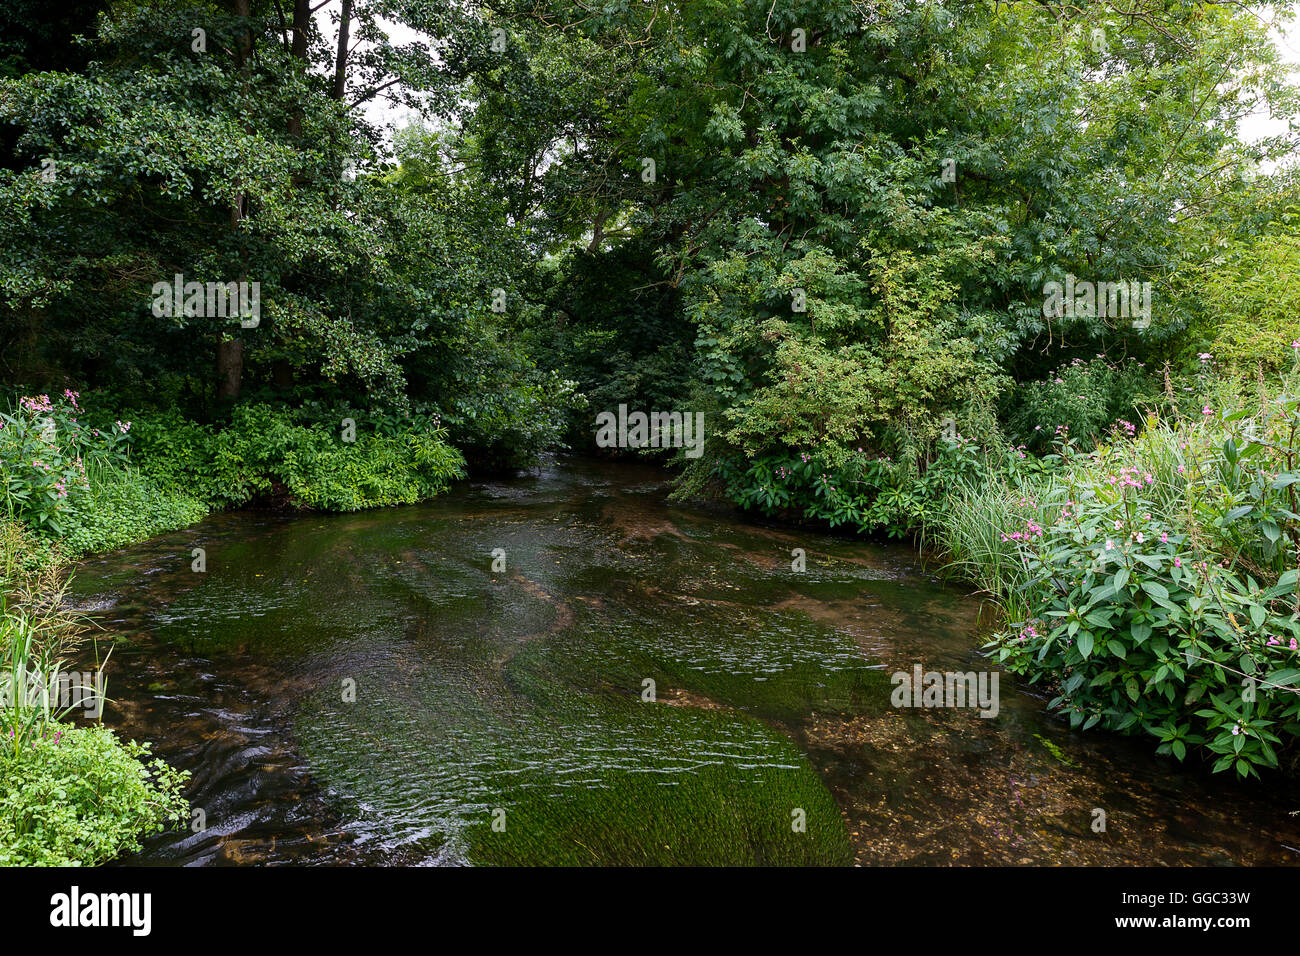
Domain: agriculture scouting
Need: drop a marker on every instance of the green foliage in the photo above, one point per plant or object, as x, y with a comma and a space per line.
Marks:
867, 493
1159, 589
1249, 303
44, 451
263, 453
25, 555
502, 413
79, 797
69, 796
121, 506
1083, 400
614, 329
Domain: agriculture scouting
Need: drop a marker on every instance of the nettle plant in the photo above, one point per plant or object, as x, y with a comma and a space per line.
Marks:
43, 454
1142, 631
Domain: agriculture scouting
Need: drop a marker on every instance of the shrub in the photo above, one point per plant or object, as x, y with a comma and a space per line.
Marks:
1160, 586
78, 797
867, 492
1084, 397
68, 795
263, 452
44, 453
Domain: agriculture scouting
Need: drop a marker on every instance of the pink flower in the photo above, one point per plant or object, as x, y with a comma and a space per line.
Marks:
1178, 562
1206, 410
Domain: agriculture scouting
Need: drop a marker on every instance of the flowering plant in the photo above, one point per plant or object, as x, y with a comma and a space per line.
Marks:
1140, 629
43, 453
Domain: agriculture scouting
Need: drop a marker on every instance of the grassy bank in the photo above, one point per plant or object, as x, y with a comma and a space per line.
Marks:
71, 794
85, 481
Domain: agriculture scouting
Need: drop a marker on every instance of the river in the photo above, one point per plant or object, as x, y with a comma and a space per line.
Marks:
641, 683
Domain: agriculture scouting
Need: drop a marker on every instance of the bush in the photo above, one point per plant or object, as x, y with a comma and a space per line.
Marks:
43, 454
867, 492
264, 453
79, 797
1084, 397
1159, 585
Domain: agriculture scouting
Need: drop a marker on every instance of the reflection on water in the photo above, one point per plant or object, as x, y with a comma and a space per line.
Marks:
641, 683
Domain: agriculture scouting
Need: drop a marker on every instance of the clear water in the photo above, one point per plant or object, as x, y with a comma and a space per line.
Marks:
500, 717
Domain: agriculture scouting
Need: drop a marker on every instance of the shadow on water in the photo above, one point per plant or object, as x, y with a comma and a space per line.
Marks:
641, 683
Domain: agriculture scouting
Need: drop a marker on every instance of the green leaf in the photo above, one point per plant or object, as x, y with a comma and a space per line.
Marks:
1156, 590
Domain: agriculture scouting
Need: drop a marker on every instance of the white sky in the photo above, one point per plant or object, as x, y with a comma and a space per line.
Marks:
1257, 126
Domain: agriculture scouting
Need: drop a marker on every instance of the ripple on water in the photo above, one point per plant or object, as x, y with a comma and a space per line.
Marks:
365, 688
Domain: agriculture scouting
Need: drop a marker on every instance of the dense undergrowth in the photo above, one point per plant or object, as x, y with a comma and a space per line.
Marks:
1148, 578
71, 792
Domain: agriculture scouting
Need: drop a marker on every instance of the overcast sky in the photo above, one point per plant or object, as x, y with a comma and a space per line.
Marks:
386, 115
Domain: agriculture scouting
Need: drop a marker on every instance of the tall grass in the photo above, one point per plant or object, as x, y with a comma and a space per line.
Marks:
1195, 468
37, 633
974, 527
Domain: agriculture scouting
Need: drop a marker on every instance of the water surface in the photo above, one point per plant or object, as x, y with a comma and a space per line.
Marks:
368, 689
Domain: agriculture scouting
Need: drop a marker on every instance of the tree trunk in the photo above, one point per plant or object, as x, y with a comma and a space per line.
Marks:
298, 49
230, 350
230, 368
341, 55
